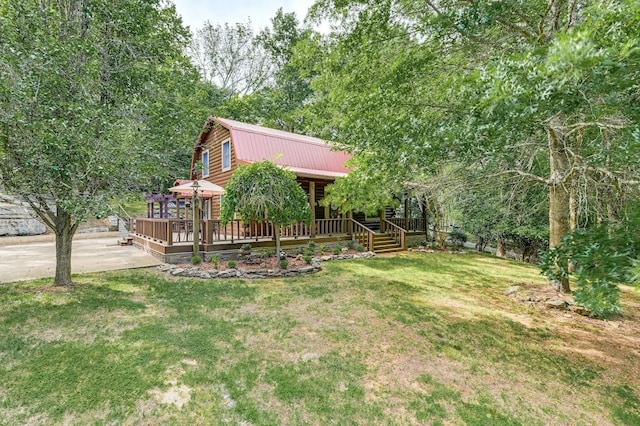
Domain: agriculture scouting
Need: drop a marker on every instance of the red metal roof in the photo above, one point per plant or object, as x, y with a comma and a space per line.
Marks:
304, 155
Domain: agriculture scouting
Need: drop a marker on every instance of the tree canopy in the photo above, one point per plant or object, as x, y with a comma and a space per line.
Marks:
542, 90
88, 96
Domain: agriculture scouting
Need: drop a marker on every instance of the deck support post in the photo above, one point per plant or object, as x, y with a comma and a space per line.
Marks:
312, 204
406, 211
196, 221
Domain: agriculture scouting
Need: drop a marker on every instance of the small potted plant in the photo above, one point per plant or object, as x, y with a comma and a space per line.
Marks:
245, 249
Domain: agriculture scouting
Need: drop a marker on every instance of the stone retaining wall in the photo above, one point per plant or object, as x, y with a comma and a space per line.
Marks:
17, 218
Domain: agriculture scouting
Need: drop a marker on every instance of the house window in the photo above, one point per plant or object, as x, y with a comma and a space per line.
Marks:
226, 155
205, 163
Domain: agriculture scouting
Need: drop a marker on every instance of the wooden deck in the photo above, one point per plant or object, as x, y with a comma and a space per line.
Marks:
172, 239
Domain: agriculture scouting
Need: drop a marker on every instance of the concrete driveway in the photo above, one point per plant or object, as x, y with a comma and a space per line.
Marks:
27, 258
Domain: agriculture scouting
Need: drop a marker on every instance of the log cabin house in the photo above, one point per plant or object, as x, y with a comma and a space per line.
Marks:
222, 146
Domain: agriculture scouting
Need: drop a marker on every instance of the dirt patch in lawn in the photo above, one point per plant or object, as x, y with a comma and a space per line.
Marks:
608, 343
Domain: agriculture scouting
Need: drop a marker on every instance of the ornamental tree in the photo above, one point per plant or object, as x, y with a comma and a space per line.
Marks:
264, 192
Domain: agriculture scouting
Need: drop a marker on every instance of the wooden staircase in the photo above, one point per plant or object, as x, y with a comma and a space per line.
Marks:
392, 240
384, 243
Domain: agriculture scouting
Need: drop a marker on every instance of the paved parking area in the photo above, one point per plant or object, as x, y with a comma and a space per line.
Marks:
24, 258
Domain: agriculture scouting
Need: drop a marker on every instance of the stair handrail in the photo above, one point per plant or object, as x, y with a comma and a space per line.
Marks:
370, 233
401, 238
127, 222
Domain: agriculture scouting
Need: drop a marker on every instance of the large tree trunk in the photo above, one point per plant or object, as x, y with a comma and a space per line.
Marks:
276, 235
64, 231
501, 249
573, 215
559, 222
425, 217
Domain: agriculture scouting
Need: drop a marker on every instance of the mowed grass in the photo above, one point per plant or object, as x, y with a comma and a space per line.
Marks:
409, 339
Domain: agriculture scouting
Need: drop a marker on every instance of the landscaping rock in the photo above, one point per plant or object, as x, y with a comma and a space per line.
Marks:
192, 272
580, 310
255, 276
259, 273
557, 303
512, 290
229, 273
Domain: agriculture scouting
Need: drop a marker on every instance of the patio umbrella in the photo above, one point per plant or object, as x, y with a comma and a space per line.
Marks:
197, 188
204, 187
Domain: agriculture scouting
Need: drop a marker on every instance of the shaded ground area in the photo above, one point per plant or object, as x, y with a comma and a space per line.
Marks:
411, 339
27, 258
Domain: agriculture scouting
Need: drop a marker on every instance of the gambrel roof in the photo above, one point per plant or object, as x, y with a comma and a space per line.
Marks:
306, 156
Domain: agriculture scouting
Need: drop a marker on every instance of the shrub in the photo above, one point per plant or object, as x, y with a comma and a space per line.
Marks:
308, 252
605, 256
246, 247
360, 248
311, 245
322, 248
458, 237
196, 260
307, 259
350, 244
336, 250
215, 260
283, 264
231, 264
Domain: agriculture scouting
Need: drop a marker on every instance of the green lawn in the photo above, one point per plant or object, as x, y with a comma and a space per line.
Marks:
412, 339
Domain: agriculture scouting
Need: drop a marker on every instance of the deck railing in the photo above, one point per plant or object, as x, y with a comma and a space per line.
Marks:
362, 234
394, 231
331, 226
170, 231
411, 224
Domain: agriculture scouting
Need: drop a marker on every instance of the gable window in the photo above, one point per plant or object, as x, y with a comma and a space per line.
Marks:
205, 163
226, 155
